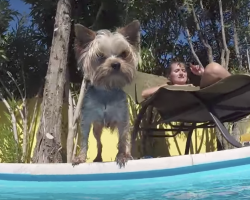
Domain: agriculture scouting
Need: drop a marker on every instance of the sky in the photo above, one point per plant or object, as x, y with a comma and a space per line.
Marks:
19, 6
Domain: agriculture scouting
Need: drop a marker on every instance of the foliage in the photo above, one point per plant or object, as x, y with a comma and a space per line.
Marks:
163, 31
22, 67
6, 15
27, 59
18, 131
8, 153
3, 41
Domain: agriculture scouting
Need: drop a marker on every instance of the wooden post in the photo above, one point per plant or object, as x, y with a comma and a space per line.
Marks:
48, 146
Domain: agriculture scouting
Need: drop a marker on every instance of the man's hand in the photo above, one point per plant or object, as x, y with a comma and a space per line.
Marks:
197, 70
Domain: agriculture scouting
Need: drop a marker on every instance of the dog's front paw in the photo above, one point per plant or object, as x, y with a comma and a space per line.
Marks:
77, 160
122, 159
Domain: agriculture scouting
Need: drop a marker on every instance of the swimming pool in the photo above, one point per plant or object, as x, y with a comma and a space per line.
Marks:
227, 177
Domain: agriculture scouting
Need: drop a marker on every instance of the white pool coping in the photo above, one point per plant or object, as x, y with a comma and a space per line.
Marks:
132, 166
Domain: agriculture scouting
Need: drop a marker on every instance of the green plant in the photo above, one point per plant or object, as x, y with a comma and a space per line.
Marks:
10, 152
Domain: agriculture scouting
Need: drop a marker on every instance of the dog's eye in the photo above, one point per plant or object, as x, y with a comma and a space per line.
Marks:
123, 55
100, 56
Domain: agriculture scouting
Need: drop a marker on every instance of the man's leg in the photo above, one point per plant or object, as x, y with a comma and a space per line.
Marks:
213, 73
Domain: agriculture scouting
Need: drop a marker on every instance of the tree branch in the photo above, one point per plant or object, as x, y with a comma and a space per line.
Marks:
73, 115
93, 26
201, 4
248, 58
222, 57
80, 101
75, 146
235, 34
71, 127
188, 35
227, 51
192, 48
204, 41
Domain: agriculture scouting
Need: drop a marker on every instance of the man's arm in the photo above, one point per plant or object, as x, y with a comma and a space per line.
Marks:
148, 92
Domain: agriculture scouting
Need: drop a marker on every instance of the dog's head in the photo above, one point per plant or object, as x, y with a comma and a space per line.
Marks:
108, 59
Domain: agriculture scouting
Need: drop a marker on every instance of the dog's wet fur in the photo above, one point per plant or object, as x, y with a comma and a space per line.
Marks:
109, 62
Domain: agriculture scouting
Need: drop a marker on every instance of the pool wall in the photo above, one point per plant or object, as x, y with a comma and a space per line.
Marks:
135, 169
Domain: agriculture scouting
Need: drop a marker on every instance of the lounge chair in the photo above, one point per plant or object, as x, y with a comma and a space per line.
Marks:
228, 100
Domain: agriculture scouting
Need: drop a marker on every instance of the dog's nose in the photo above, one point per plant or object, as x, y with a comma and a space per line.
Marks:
116, 65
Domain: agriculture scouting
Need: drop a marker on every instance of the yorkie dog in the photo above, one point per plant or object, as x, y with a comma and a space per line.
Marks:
109, 61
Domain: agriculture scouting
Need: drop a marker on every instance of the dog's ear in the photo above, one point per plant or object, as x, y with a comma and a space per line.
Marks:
83, 36
132, 33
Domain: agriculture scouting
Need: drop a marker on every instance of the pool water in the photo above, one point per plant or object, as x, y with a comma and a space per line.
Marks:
228, 183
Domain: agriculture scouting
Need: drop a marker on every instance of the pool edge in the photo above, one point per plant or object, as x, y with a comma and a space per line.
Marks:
145, 168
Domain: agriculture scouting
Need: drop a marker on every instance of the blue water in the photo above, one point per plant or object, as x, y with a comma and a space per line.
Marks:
227, 183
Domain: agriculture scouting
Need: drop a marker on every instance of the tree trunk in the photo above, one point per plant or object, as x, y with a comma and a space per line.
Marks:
48, 146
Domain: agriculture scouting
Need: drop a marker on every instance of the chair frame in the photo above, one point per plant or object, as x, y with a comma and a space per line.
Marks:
210, 107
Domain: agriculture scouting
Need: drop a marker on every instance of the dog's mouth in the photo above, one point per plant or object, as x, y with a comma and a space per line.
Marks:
115, 79
115, 76
118, 76
115, 72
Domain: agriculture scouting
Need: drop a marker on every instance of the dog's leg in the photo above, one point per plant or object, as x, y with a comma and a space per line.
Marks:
124, 149
97, 131
85, 129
